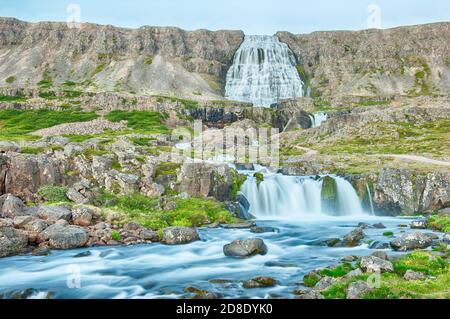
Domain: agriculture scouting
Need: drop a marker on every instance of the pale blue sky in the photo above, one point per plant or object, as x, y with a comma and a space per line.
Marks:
252, 16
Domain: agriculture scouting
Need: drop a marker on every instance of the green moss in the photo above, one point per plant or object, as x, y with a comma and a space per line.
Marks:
259, 178
237, 181
148, 60
439, 223
53, 194
100, 67
32, 150
10, 79
166, 168
310, 280
339, 271
329, 191
116, 165
388, 234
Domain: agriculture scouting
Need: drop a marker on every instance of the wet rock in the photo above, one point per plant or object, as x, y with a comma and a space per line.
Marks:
414, 275
349, 258
36, 225
332, 242
324, 283
379, 245
418, 224
30, 293
244, 225
381, 254
41, 251
354, 238
245, 248
432, 236
201, 294
12, 206
83, 254
357, 289
378, 226
262, 230
411, 241
364, 225
54, 213
64, 237
372, 264
259, 282
82, 216
180, 235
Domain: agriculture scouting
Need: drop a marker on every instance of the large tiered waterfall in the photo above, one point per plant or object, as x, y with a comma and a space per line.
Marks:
263, 72
296, 197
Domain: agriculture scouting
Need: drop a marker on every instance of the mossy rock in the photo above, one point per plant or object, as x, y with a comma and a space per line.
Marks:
259, 178
329, 193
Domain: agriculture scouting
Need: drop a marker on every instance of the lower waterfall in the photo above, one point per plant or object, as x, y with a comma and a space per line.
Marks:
280, 196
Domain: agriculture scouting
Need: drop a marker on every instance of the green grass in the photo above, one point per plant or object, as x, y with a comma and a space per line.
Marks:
142, 141
339, 271
421, 262
53, 194
166, 168
148, 60
439, 223
115, 235
16, 124
12, 98
187, 212
141, 121
32, 150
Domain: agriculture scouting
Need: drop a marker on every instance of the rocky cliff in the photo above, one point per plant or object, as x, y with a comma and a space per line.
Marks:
413, 60
148, 60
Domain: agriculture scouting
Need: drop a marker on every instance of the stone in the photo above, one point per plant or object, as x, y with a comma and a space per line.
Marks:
259, 282
349, 258
354, 238
324, 283
379, 226
411, 241
41, 251
414, 275
357, 289
311, 295
6, 147
419, 224
446, 238
245, 248
12, 206
179, 235
36, 225
262, 230
353, 273
378, 245
381, 254
82, 216
243, 225
21, 221
12, 241
54, 213
65, 237
372, 264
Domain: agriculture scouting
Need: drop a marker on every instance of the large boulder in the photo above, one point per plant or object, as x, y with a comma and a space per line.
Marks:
418, 224
54, 213
12, 206
61, 236
372, 264
6, 147
259, 282
12, 241
82, 216
411, 241
180, 235
245, 248
353, 238
324, 283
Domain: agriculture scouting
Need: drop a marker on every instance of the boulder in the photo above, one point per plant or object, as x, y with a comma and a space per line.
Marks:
414, 275
311, 295
245, 248
353, 238
82, 216
243, 225
418, 224
372, 264
61, 236
379, 226
54, 213
12, 206
12, 241
36, 225
381, 254
180, 235
411, 241
324, 283
259, 282
357, 289
6, 147
262, 230
353, 273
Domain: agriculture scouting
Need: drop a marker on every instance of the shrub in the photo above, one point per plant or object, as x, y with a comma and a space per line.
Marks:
115, 235
53, 193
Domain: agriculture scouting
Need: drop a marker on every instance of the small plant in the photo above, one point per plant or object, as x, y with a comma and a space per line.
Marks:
115, 235
148, 60
53, 194
10, 79
388, 234
259, 178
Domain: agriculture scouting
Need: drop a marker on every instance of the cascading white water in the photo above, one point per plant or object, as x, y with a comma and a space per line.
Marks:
293, 197
263, 72
318, 118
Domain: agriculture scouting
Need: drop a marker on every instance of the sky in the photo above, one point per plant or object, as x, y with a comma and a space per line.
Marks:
251, 16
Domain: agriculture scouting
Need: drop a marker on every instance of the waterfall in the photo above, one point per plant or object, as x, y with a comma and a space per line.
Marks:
263, 72
369, 194
318, 118
298, 196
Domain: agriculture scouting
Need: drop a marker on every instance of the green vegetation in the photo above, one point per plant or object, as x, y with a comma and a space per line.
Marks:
10, 79
147, 211
329, 189
141, 121
394, 286
237, 181
388, 234
115, 235
148, 60
32, 150
16, 124
338, 271
259, 178
53, 194
439, 223
142, 141
310, 280
46, 82
100, 67
13, 98
166, 168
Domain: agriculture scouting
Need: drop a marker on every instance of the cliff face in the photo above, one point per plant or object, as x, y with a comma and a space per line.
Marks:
153, 60
412, 60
